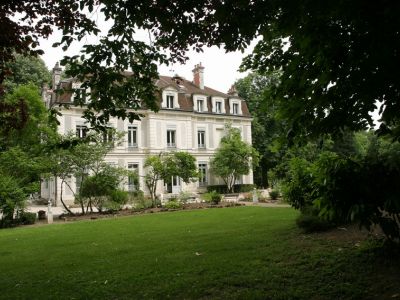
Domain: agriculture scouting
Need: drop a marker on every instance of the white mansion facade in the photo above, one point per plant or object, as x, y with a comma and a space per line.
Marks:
191, 118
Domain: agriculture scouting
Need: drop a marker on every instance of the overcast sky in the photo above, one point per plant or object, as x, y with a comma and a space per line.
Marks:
221, 69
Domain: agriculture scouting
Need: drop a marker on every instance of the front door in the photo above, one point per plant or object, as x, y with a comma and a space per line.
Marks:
176, 185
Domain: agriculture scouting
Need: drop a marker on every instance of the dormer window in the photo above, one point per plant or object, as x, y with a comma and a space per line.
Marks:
218, 107
200, 105
170, 101
170, 98
235, 108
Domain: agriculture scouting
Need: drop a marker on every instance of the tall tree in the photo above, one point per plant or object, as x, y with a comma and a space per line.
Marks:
266, 127
233, 158
26, 69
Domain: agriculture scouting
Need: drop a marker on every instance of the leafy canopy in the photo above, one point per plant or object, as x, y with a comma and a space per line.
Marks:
233, 157
340, 56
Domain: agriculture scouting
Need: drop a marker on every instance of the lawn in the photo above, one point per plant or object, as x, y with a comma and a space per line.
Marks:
228, 253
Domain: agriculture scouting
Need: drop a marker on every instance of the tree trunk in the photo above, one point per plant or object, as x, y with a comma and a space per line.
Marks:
62, 201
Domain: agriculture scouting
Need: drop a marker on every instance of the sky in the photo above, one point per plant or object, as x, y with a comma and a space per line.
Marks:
220, 68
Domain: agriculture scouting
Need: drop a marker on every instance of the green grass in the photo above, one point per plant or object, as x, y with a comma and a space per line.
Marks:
245, 253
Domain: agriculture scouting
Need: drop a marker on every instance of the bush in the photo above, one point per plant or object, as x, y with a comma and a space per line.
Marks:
27, 218
212, 197
119, 196
312, 223
173, 204
184, 196
12, 199
142, 203
134, 196
274, 194
237, 188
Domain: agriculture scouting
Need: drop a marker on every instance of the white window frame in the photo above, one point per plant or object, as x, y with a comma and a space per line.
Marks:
203, 178
200, 108
132, 166
171, 138
170, 99
235, 103
170, 91
218, 107
201, 138
200, 105
235, 108
132, 136
81, 131
221, 101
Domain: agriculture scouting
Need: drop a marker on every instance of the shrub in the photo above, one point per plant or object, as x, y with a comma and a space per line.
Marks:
237, 188
173, 204
12, 199
184, 196
212, 197
27, 218
274, 194
134, 196
142, 203
119, 196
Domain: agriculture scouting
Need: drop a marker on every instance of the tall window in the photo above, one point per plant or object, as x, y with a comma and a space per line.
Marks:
132, 181
235, 108
200, 105
202, 174
108, 135
170, 101
132, 136
201, 138
218, 107
80, 95
81, 131
171, 138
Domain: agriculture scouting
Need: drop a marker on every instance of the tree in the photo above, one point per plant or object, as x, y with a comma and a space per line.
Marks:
12, 199
37, 125
70, 156
233, 158
339, 57
266, 127
102, 187
166, 165
25, 70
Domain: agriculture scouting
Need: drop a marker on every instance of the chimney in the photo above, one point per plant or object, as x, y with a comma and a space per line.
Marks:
198, 76
233, 91
56, 76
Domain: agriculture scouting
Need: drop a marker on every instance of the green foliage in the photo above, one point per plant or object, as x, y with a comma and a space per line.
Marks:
35, 125
212, 197
166, 165
266, 126
350, 187
12, 199
233, 158
173, 204
274, 194
120, 197
184, 196
27, 218
26, 70
237, 188
142, 203
103, 187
